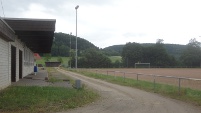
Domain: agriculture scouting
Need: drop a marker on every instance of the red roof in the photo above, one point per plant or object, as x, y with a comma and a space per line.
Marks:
37, 56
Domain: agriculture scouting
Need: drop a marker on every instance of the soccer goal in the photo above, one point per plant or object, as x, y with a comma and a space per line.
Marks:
142, 65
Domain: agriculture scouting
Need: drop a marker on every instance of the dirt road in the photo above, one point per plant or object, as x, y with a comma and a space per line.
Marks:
121, 99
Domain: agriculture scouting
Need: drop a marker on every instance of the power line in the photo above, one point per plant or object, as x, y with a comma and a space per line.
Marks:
2, 8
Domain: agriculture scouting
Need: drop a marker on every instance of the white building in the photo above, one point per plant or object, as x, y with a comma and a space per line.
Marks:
19, 40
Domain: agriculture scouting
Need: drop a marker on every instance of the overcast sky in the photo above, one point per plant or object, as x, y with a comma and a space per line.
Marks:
112, 22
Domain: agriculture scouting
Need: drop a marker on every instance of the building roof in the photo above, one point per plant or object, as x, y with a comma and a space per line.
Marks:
37, 34
6, 32
37, 56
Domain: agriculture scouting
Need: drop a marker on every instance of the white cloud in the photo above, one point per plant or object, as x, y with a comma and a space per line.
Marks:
111, 22
36, 10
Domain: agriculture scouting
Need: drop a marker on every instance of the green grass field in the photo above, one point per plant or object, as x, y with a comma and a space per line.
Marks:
66, 59
53, 59
115, 58
36, 99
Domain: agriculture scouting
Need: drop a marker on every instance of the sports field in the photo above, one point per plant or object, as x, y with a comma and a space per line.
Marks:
147, 74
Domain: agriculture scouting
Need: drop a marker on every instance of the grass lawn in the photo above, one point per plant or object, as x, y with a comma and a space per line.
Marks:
23, 99
35, 99
66, 59
114, 58
53, 59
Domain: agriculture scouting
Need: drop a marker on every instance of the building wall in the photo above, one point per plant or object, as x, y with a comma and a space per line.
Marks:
28, 59
5, 61
4, 64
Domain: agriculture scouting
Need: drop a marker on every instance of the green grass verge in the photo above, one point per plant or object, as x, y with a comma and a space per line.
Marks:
186, 94
66, 59
55, 76
114, 58
34, 99
53, 59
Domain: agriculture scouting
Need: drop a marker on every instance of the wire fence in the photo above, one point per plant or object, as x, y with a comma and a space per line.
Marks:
180, 82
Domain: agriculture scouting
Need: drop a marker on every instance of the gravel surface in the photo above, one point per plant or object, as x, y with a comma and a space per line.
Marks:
146, 72
122, 99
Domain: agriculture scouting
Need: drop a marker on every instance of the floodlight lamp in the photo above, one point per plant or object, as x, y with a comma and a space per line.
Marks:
77, 7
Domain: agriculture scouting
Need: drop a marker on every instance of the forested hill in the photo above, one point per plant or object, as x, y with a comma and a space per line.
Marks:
172, 49
114, 50
63, 42
61, 46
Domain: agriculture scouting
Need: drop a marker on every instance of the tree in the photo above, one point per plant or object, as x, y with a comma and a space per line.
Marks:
114, 50
131, 54
117, 64
155, 54
47, 57
93, 58
159, 41
160, 54
64, 42
59, 59
71, 62
191, 56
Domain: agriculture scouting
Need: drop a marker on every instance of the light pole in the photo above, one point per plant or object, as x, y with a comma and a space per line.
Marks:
76, 39
70, 49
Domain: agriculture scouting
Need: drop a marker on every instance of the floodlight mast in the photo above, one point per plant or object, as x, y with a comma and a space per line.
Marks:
77, 7
70, 48
76, 39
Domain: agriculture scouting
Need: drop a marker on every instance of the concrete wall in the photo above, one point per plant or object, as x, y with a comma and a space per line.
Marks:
5, 61
28, 59
4, 64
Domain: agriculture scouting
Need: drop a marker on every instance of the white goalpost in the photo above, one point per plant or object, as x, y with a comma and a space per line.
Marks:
142, 65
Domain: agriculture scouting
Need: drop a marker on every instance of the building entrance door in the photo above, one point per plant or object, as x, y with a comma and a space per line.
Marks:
13, 64
20, 64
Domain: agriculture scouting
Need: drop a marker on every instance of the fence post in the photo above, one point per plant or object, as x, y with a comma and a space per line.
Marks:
179, 88
124, 77
154, 83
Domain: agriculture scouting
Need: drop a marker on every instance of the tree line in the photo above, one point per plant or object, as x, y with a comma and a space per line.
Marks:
156, 54
64, 43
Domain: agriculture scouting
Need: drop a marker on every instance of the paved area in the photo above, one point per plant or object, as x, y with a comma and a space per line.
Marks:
40, 79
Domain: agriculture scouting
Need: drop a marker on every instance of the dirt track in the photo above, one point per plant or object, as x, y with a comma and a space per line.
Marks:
121, 99
176, 72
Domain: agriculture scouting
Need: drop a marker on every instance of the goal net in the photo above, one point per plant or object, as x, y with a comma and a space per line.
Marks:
142, 65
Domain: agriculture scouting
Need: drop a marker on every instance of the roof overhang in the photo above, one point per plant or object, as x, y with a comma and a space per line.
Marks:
6, 32
37, 34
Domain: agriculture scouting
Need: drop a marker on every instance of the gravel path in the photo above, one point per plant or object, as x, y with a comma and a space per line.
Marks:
122, 99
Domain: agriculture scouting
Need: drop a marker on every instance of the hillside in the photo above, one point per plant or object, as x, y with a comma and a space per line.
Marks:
114, 50
172, 49
63, 42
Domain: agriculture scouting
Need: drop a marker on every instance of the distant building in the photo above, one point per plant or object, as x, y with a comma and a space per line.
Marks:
20, 38
52, 64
